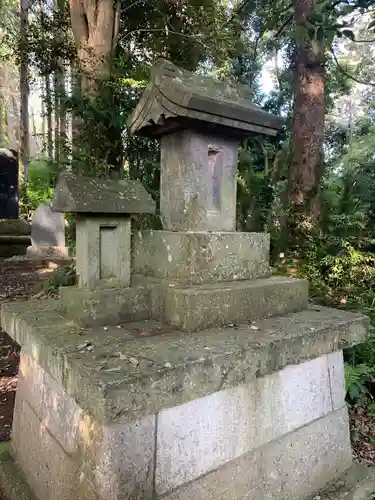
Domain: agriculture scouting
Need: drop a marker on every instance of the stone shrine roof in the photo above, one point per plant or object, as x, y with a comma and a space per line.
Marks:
101, 196
176, 99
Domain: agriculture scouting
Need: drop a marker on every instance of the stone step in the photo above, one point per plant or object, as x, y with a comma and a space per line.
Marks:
357, 483
197, 257
170, 368
219, 304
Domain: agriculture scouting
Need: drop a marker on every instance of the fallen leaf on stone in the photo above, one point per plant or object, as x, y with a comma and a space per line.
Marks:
134, 361
144, 334
122, 355
119, 326
90, 347
83, 345
105, 328
114, 369
168, 364
254, 327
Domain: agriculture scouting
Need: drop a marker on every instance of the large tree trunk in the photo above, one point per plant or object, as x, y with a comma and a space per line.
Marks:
3, 107
307, 128
24, 88
95, 28
59, 88
48, 99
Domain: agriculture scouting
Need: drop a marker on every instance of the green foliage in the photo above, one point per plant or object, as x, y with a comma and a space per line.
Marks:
63, 276
356, 378
40, 185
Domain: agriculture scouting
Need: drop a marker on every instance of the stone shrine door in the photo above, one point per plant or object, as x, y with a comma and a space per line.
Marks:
9, 208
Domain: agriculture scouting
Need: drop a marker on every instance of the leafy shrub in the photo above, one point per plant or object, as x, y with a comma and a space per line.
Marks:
63, 276
344, 277
39, 187
356, 379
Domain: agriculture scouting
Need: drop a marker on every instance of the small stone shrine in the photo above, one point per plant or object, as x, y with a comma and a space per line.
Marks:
47, 234
178, 367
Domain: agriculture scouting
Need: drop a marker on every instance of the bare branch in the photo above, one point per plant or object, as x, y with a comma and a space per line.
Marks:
344, 72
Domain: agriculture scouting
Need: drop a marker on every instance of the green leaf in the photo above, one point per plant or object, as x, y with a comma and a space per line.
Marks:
299, 33
371, 25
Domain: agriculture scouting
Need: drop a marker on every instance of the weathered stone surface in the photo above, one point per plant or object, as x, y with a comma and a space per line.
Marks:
51, 473
337, 379
169, 368
105, 306
220, 304
198, 182
90, 195
200, 257
61, 415
357, 483
175, 97
47, 252
14, 237
103, 252
16, 227
30, 382
288, 469
198, 437
12, 481
47, 227
119, 459
116, 460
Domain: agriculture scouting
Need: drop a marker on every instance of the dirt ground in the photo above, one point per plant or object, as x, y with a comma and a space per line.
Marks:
18, 281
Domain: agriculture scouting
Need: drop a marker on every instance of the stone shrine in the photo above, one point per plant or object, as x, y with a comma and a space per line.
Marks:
47, 234
178, 367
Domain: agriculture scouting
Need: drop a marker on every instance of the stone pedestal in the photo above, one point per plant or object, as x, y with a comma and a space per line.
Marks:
143, 413
202, 170
103, 252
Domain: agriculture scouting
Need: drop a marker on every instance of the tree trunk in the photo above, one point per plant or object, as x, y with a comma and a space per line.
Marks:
307, 127
56, 117
24, 88
48, 98
95, 29
3, 107
59, 92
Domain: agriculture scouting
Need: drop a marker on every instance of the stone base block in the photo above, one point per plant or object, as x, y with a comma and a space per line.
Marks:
131, 372
200, 257
109, 306
205, 306
357, 483
280, 435
43, 252
291, 468
11, 245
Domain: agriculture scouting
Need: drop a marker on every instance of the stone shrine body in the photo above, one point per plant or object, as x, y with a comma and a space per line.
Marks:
178, 367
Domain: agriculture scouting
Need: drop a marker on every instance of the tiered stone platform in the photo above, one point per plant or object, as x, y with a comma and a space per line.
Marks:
178, 367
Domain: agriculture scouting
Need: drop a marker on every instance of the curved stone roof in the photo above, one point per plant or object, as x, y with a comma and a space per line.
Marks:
101, 196
176, 99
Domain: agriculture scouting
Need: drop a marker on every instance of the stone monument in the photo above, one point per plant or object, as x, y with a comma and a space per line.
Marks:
9, 208
47, 234
178, 367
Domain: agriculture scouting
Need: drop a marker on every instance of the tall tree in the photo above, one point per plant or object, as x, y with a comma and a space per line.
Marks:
24, 87
308, 115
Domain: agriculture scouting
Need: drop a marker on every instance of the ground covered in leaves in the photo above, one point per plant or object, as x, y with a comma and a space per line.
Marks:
21, 280
18, 281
